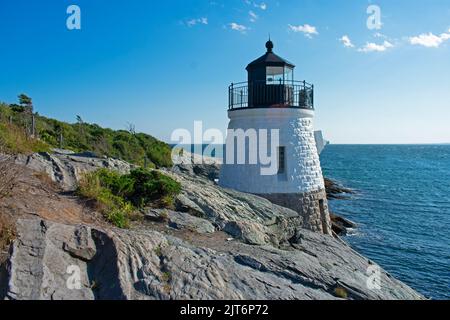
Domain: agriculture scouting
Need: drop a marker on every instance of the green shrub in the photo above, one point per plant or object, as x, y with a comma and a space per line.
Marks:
120, 185
141, 186
118, 218
17, 108
114, 208
117, 196
152, 186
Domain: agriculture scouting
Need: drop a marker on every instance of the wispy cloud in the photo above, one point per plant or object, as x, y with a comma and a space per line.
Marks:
193, 22
430, 40
306, 29
259, 5
373, 47
238, 27
379, 35
262, 5
253, 16
346, 41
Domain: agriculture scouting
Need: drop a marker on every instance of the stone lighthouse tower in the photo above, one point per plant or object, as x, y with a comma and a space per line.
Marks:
273, 103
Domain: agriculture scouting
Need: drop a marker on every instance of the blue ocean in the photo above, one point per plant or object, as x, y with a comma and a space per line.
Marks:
402, 208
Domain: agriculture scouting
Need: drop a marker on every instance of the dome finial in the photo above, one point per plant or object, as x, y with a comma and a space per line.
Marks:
269, 45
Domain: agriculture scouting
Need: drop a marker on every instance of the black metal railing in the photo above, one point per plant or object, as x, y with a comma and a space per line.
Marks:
277, 94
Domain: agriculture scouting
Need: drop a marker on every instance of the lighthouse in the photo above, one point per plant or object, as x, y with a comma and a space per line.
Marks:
274, 113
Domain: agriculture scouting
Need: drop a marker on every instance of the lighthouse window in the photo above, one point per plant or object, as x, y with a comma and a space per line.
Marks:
288, 75
274, 75
281, 160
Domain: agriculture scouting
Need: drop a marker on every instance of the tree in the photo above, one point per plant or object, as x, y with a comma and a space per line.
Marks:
131, 128
17, 108
26, 102
81, 132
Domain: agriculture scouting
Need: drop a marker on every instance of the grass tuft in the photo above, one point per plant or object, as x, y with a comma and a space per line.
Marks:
341, 293
14, 140
7, 232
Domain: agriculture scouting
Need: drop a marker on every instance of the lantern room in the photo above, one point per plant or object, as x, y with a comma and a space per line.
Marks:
270, 84
270, 68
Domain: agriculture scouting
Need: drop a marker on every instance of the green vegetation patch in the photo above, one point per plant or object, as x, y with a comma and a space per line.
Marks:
118, 196
115, 209
16, 123
14, 140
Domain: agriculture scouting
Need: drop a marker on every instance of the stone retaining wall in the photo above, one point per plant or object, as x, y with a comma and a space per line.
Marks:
312, 206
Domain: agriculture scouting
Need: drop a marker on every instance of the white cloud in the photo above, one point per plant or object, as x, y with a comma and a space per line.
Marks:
194, 22
253, 16
261, 5
306, 29
373, 47
238, 27
379, 35
429, 40
346, 41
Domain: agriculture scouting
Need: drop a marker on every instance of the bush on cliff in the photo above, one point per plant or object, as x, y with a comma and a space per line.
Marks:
117, 196
114, 208
151, 186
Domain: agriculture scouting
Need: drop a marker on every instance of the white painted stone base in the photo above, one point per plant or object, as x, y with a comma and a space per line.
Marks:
303, 172
301, 187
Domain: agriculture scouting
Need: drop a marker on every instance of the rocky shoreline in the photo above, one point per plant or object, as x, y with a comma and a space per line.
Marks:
216, 244
336, 191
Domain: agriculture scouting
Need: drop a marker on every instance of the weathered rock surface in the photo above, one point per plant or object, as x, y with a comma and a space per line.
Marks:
146, 264
336, 190
196, 165
257, 218
209, 168
247, 217
65, 168
182, 220
341, 226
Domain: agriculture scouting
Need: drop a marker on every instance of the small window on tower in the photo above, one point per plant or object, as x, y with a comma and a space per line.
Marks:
281, 160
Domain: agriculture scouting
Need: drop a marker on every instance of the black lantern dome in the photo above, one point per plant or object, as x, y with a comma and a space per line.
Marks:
271, 84
270, 67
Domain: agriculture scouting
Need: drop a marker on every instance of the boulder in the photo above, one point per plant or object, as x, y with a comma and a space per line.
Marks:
336, 190
340, 225
181, 220
248, 232
66, 168
247, 217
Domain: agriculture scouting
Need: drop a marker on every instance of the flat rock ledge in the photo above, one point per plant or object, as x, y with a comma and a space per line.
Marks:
54, 261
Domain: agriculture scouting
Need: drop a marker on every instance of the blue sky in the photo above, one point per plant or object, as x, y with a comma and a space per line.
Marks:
161, 65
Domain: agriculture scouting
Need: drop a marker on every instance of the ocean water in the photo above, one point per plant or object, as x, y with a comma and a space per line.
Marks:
402, 209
